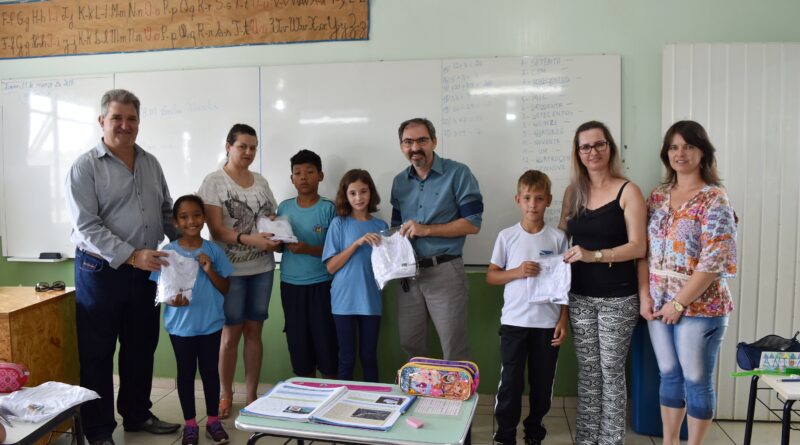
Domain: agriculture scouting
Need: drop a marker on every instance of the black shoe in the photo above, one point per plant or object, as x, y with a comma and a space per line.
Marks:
106, 441
531, 441
155, 426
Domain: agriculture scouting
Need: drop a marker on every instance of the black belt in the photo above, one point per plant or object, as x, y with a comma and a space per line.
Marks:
434, 260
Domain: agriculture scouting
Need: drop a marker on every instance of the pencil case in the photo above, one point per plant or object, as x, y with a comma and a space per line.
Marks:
12, 377
449, 379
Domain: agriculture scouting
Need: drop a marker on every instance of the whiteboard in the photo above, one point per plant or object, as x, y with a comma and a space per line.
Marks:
747, 96
186, 116
499, 116
348, 114
46, 124
503, 116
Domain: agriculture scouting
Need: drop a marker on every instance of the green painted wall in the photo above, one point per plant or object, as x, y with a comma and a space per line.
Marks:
420, 29
484, 322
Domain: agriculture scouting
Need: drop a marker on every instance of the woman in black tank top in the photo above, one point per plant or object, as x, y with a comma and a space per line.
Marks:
605, 215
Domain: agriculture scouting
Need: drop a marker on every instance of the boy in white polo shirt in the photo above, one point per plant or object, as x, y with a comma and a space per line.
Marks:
530, 332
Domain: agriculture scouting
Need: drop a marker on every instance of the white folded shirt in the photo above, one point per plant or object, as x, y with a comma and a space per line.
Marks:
177, 278
393, 258
45, 401
279, 228
553, 283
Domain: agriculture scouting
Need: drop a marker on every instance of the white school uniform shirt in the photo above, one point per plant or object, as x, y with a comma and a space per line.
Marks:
513, 246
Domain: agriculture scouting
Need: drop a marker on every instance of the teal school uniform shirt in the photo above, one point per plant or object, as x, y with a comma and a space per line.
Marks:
310, 225
354, 290
204, 314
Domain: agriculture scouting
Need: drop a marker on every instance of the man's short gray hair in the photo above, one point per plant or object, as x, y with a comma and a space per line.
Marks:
119, 96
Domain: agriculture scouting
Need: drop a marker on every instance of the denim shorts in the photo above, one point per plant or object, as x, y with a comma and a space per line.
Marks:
248, 298
687, 354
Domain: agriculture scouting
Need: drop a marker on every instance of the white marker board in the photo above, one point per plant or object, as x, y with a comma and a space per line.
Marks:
500, 116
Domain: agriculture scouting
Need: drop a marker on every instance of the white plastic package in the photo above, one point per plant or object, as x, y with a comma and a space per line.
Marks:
279, 227
553, 283
393, 258
177, 278
45, 401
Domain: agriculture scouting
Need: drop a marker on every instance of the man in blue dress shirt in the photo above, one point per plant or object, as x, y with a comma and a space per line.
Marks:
120, 207
438, 203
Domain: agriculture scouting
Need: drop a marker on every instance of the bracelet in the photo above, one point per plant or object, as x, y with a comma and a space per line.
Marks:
239, 238
132, 259
612, 258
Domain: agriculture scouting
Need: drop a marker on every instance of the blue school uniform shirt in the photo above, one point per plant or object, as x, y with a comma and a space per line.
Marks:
310, 225
354, 290
204, 314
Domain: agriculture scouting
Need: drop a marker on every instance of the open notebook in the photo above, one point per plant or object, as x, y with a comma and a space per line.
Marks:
334, 406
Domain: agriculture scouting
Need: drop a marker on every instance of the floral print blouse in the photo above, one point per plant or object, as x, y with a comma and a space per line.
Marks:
699, 236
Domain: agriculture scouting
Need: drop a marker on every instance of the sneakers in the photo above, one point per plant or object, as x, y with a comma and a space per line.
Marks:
216, 433
191, 435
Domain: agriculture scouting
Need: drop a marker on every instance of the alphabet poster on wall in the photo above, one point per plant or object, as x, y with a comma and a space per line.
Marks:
64, 27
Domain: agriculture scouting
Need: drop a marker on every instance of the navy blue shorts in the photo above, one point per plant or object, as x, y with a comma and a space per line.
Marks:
310, 331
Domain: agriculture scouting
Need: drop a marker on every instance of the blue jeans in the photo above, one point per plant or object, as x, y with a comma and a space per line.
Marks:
248, 298
687, 354
358, 332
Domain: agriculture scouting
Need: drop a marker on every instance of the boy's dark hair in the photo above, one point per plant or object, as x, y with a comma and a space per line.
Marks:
534, 179
343, 207
188, 198
306, 157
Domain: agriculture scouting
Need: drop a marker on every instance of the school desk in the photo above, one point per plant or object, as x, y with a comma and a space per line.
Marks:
33, 433
437, 429
788, 390
37, 329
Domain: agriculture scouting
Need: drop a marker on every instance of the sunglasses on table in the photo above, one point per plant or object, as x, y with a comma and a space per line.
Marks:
44, 286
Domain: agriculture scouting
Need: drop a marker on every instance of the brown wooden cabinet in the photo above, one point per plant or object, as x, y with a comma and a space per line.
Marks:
37, 329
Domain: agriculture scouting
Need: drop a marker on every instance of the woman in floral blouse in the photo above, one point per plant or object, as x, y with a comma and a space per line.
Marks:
683, 291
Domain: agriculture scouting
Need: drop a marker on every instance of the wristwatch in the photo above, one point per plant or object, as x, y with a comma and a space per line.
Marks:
598, 255
678, 306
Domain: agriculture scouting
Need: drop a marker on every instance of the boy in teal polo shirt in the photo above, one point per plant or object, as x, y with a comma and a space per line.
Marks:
305, 282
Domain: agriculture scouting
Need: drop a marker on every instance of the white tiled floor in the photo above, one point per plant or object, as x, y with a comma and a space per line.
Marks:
560, 423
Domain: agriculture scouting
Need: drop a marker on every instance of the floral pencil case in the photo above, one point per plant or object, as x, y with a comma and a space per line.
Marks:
447, 379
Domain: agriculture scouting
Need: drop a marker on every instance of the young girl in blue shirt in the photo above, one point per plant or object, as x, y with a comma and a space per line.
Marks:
195, 328
355, 296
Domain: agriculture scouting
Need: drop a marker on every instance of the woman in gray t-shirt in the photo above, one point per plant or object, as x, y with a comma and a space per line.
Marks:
235, 199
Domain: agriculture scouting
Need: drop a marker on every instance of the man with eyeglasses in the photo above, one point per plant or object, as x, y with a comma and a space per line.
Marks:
437, 203
121, 208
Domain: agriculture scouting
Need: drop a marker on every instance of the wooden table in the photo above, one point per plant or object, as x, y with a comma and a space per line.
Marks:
37, 329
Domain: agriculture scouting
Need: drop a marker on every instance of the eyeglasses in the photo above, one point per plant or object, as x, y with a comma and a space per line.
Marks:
598, 147
44, 286
408, 143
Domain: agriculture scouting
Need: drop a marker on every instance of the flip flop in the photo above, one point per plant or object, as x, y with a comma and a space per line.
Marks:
224, 408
